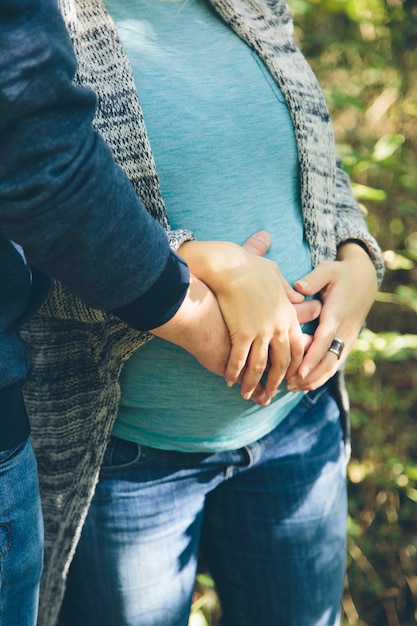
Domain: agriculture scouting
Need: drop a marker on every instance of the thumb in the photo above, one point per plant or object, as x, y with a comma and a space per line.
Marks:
313, 282
258, 244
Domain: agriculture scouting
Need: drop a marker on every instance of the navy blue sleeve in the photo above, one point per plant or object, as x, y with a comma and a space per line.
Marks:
147, 312
62, 197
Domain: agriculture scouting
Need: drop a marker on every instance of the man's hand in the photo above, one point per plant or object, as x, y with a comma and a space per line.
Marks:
199, 328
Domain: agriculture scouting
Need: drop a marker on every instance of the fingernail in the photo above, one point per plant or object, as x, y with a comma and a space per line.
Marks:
293, 385
229, 383
273, 394
246, 396
261, 238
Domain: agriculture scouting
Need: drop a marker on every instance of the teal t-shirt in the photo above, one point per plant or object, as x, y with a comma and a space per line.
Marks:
227, 160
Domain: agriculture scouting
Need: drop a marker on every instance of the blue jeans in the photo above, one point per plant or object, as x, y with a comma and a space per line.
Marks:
270, 519
21, 537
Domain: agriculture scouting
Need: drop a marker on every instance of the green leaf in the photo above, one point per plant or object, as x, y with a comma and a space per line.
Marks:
363, 192
387, 146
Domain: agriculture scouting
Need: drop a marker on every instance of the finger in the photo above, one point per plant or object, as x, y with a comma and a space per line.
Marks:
321, 374
297, 353
274, 377
279, 361
308, 310
315, 281
260, 397
239, 354
308, 340
255, 367
310, 377
293, 296
258, 244
325, 332
317, 351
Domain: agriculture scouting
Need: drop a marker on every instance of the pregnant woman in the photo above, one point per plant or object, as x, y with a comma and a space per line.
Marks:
145, 456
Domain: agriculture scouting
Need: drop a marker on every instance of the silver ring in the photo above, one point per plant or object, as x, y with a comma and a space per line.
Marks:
336, 347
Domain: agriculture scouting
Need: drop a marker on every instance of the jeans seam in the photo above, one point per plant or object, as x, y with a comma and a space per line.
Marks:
311, 399
12, 452
7, 527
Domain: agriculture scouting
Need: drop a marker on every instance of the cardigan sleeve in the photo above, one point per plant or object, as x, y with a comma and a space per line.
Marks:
350, 222
62, 197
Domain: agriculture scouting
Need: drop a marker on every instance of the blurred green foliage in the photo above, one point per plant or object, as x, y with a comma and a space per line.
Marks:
364, 53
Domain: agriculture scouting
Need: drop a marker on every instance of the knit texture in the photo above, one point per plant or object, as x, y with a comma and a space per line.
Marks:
72, 395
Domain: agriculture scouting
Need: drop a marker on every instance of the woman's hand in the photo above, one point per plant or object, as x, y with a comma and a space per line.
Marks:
257, 305
348, 288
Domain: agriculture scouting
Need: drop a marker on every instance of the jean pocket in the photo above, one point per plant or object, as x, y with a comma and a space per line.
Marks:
6, 455
312, 397
120, 453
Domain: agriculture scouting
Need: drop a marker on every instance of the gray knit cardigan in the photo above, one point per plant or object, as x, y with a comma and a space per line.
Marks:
72, 395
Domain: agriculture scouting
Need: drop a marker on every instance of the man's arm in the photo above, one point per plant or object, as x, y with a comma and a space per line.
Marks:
62, 197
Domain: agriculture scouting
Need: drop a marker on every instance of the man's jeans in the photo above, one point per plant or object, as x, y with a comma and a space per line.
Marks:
270, 519
21, 537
